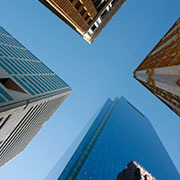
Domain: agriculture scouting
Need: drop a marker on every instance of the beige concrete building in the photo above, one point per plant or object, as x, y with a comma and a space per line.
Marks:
160, 71
87, 17
29, 94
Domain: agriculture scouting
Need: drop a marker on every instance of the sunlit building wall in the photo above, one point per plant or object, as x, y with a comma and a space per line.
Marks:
160, 71
87, 17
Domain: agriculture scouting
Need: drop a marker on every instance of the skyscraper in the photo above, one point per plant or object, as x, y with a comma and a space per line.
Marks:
134, 171
160, 71
87, 17
118, 134
29, 94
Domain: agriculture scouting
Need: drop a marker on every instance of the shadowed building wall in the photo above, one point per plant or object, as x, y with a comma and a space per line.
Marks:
160, 71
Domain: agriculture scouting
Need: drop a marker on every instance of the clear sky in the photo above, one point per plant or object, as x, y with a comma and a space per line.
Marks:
95, 72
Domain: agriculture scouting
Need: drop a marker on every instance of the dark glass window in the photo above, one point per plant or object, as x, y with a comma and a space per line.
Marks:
90, 21
82, 12
78, 5
104, 14
5, 94
86, 18
114, 2
2, 100
93, 28
10, 84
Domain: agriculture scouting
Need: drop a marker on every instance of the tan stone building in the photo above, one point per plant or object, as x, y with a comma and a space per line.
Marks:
160, 71
87, 17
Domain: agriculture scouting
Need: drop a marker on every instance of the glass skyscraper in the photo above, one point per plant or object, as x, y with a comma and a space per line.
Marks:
118, 134
29, 94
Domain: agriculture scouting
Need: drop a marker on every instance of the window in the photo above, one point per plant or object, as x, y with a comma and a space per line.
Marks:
90, 21
4, 67
94, 27
86, 18
3, 122
19, 80
78, 5
3, 93
10, 84
104, 14
2, 100
82, 12
114, 2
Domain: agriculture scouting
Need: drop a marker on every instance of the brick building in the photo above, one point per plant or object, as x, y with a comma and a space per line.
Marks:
87, 17
160, 71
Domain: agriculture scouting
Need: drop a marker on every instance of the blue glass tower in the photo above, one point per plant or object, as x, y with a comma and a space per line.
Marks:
117, 135
29, 94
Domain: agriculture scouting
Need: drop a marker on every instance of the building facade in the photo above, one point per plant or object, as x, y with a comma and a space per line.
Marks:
118, 134
134, 171
29, 94
160, 71
87, 17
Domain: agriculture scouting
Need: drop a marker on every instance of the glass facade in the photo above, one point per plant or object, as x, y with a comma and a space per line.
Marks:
29, 95
118, 135
25, 69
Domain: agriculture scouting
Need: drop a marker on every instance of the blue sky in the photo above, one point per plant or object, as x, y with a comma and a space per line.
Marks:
95, 72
